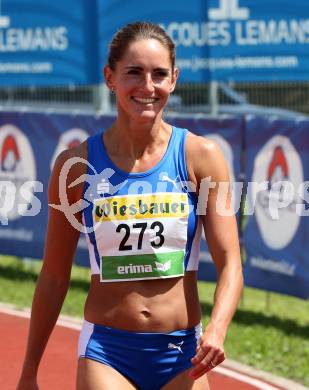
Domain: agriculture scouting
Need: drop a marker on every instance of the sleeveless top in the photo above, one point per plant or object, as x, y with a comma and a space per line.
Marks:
141, 225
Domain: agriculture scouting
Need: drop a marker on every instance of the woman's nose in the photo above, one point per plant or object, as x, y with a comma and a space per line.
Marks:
148, 82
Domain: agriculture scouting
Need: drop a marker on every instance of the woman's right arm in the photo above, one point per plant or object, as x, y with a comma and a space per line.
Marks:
53, 281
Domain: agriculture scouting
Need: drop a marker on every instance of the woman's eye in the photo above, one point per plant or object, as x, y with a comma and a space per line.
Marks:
133, 72
161, 73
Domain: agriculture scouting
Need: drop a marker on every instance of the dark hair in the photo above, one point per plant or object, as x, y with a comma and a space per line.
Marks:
133, 32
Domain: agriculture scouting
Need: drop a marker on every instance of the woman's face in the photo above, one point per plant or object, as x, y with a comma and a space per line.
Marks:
143, 80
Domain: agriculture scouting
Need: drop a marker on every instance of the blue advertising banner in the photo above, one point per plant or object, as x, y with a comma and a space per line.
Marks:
276, 231
45, 43
275, 237
239, 40
29, 145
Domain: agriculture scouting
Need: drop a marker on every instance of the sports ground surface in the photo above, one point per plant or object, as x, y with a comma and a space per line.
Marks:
58, 366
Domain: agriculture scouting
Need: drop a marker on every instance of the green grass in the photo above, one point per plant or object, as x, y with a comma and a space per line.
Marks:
269, 331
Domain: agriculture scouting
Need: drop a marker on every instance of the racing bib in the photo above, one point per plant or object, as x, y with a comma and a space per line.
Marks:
141, 236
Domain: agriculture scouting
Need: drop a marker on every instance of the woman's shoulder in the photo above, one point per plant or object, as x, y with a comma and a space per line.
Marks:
200, 147
76, 157
70, 167
204, 156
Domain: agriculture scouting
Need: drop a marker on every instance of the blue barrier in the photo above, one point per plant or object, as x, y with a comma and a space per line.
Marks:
275, 236
277, 250
45, 43
29, 144
223, 40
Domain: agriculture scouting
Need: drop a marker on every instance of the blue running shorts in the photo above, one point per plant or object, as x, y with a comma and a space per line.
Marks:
148, 360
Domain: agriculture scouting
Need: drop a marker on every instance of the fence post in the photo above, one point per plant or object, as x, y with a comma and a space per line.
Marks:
101, 98
213, 98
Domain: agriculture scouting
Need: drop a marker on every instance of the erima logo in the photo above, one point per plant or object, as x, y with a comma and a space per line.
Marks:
175, 346
163, 267
228, 9
140, 268
133, 269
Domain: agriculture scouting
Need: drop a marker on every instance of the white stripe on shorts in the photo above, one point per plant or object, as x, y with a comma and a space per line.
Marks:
84, 337
198, 332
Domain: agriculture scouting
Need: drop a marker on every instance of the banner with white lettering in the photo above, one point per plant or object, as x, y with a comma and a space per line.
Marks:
65, 43
276, 212
45, 43
239, 40
277, 171
29, 145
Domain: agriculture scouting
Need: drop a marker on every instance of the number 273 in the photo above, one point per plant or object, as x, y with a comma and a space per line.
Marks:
156, 225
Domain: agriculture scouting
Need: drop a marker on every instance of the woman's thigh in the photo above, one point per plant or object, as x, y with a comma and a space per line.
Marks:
184, 382
92, 375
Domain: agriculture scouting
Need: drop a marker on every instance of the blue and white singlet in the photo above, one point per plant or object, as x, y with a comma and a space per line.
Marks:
141, 225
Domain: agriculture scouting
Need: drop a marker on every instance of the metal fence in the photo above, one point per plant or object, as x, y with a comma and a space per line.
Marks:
186, 98
289, 96
292, 96
53, 97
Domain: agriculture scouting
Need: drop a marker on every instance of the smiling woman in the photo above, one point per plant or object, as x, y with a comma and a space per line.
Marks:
143, 238
143, 76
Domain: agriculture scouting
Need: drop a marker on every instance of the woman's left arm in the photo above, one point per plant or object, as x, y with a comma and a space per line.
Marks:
220, 228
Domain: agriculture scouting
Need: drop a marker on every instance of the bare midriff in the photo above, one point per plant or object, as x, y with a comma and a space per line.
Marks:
163, 305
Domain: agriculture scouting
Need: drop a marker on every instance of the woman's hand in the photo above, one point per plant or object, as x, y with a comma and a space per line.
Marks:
209, 354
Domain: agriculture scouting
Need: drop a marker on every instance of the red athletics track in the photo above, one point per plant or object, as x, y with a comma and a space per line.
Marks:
58, 366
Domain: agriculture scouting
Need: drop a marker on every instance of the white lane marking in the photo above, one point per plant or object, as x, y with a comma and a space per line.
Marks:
62, 321
244, 378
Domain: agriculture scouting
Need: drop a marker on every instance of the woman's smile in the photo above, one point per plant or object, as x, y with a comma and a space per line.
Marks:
144, 101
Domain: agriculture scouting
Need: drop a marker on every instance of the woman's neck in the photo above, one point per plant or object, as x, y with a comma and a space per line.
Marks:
133, 139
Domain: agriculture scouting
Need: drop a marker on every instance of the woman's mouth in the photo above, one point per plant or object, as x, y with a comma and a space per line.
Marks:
144, 100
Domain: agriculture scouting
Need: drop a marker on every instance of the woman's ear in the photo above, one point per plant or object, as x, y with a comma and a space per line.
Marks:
108, 75
174, 79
